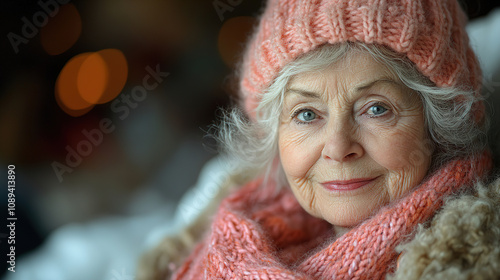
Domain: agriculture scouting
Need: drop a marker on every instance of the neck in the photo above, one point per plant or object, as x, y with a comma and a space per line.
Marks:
339, 231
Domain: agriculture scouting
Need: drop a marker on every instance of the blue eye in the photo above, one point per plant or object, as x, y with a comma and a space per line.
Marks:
306, 116
377, 110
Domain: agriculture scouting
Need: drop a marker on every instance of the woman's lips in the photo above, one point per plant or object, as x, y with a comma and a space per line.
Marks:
347, 185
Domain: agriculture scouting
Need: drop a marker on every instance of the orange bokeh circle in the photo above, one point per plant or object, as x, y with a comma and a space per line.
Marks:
91, 78
67, 95
62, 31
116, 75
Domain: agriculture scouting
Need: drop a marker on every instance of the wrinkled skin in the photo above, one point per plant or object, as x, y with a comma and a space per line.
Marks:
354, 119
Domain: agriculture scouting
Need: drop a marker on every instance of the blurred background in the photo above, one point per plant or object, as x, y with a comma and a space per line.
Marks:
105, 105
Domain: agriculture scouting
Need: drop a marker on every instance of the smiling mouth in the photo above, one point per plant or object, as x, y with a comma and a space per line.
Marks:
347, 185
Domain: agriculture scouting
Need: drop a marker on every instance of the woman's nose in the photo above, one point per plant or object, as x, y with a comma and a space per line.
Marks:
341, 145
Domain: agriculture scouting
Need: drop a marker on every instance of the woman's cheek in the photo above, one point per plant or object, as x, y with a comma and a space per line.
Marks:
396, 152
390, 153
394, 147
298, 152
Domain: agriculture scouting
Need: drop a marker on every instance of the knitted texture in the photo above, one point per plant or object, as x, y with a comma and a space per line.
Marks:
257, 234
462, 243
431, 33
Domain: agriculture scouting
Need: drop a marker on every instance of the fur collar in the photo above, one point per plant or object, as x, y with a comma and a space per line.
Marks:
462, 241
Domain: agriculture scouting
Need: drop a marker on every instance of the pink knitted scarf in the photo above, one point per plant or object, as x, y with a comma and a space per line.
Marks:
258, 234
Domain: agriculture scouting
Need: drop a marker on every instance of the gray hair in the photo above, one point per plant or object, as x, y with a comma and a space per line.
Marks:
453, 133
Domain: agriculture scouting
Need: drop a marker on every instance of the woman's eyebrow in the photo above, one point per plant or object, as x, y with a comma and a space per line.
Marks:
361, 87
374, 82
305, 93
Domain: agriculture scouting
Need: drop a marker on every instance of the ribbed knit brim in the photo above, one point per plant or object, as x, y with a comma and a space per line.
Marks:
431, 33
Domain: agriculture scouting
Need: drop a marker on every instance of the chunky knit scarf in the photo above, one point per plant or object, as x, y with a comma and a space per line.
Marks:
261, 233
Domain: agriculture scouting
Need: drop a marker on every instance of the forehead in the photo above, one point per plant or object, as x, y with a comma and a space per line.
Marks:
354, 70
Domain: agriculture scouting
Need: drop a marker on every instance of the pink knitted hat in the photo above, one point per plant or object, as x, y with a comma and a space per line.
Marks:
431, 33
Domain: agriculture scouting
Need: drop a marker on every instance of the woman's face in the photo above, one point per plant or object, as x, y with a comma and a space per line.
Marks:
352, 139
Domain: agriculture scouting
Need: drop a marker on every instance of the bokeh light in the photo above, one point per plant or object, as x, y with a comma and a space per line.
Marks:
67, 95
89, 79
232, 37
117, 72
62, 31
92, 78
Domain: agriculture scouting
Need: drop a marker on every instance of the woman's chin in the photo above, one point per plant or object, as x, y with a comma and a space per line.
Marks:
352, 217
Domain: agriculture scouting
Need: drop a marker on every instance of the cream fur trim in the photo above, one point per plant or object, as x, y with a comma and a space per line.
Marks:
462, 242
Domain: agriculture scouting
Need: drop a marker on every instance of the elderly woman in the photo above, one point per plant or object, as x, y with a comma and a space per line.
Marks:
363, 135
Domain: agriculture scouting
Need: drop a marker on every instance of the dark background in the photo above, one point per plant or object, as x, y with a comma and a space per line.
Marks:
160, 145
